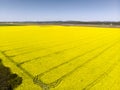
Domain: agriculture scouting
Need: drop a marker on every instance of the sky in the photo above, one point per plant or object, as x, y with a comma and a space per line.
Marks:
59, 10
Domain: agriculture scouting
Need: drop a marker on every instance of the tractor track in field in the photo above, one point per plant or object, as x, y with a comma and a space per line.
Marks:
19, 64
47, 86
39, 49
35, 43
8, 58
59, 44
26, 52
54, 53
58, 52
53, 84
102, 76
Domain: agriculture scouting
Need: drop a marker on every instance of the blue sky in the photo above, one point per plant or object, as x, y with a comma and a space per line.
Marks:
55, 10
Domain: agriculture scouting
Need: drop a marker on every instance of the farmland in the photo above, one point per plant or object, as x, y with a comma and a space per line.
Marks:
62, 57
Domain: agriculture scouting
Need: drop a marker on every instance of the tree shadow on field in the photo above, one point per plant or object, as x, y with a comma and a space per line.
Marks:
8, 80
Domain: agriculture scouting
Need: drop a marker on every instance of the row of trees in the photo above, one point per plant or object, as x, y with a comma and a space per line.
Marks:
61, 23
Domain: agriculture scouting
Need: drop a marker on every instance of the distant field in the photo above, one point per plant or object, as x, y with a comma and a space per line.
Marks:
62, 57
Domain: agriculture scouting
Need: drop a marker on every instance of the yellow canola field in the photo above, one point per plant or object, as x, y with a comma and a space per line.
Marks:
62, 57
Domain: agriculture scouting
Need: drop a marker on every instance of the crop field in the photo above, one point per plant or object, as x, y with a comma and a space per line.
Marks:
62, 57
